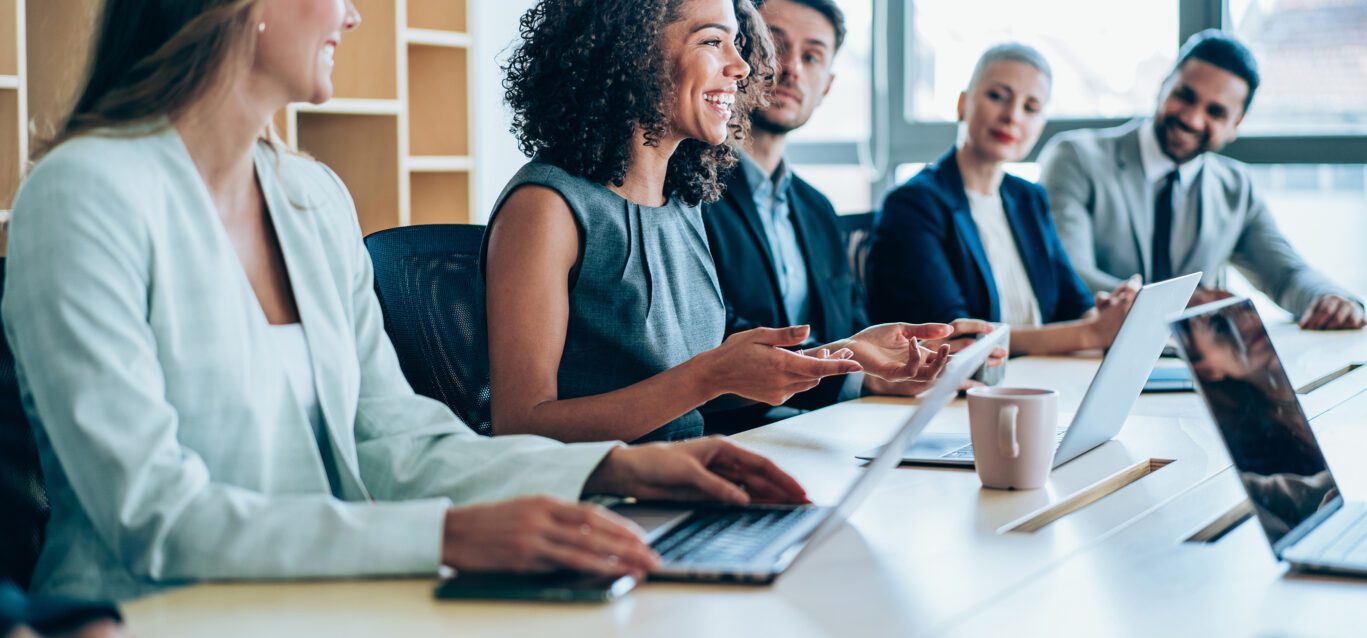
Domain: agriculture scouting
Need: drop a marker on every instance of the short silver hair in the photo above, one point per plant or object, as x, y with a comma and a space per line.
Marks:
1011, 52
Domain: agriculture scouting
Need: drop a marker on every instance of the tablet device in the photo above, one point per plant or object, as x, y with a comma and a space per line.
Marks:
1170, 380
561, 586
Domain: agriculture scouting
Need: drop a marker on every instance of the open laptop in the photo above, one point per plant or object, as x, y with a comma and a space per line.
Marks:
757, 543
1112, 392
1279, 462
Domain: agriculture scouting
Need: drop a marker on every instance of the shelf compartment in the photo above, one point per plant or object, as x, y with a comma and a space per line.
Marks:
10, 161
438, 105
364, 151
428, 37
438, 164
368, 56
58, 36
9, 38
439, 15
440, 198
351, 106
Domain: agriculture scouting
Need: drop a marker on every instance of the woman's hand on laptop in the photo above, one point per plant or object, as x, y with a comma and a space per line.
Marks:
541, 533
708, 469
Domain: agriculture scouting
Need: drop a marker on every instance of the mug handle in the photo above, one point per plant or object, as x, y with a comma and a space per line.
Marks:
1007, 443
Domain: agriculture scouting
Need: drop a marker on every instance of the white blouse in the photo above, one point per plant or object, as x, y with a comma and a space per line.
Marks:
1019, 307
292, 347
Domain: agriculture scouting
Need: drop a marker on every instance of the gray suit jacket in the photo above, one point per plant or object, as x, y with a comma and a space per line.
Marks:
172, 446
1104, 214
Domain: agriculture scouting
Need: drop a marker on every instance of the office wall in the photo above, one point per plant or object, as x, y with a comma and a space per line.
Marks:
496, 150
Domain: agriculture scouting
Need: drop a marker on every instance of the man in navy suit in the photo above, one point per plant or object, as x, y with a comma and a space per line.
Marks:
779, 253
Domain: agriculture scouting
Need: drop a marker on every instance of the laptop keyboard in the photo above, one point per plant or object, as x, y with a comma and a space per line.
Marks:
726, 535
966, 452
1350, 546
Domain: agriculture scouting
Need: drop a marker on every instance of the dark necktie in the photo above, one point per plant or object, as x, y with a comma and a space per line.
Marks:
1162, 230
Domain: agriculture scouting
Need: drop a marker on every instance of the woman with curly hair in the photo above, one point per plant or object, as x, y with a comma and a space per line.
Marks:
605, 317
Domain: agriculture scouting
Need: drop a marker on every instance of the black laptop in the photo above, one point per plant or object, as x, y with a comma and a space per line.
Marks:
1278, 459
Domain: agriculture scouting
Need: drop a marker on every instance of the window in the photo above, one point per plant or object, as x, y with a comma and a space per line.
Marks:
1313, 58
1029, 171
905, 62
846, 185
1108, 56
845, 114
1322, 210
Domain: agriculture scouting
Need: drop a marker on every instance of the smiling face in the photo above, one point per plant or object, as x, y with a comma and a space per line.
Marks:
804, 40
295, 48
1004, 111
706, 68
1200, 110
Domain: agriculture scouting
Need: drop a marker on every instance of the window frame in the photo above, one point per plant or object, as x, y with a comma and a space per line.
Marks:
895, 140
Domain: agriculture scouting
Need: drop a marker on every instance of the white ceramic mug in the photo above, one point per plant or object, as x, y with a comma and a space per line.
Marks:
1014, 435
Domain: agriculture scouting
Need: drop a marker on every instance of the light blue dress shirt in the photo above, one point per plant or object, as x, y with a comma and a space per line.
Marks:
771, 200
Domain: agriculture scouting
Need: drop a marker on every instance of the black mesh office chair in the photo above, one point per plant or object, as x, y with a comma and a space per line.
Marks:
23, 497
857, 230
429, 284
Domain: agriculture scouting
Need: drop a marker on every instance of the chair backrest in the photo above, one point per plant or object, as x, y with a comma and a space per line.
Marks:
428, 281
857, 230
23, 495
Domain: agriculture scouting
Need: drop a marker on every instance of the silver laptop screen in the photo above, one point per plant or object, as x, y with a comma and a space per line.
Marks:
1255, 407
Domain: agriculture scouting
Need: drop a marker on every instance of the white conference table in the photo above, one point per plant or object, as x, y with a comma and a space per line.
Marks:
930, 552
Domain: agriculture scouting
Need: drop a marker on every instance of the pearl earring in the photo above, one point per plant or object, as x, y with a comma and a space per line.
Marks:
261, 28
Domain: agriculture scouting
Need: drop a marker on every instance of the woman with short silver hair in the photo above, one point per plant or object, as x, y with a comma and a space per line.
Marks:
964, 239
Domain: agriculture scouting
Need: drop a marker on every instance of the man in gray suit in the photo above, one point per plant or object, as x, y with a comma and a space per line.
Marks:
1153, 198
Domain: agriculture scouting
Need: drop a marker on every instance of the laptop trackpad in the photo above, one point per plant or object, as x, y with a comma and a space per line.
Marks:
653, 519
934, 446
927, 446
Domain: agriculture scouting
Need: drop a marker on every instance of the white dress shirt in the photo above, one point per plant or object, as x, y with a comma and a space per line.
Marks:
1015, 293
1186, 199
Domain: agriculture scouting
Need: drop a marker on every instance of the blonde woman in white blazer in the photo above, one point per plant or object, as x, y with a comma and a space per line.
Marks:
204, 362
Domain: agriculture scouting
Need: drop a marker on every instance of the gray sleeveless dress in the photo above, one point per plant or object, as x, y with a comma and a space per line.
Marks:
644, 295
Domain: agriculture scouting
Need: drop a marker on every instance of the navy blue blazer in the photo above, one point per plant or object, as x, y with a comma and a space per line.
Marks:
749, 284
927, 263
746, 273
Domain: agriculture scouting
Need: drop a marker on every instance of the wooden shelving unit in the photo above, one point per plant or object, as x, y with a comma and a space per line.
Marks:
398, 130
13, 143
439, 166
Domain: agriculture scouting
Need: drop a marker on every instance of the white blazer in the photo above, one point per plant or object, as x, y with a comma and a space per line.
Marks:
172, 446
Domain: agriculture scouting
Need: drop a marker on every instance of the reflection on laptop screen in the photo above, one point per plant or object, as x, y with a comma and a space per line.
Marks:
1261, 421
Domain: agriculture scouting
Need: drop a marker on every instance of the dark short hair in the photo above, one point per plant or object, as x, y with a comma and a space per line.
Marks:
830, 10
588, 72
1223, 50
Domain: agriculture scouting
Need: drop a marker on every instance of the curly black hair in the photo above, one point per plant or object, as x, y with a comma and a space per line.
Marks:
589, 71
